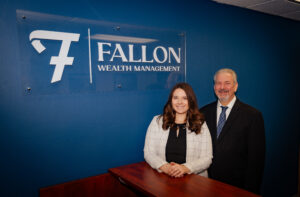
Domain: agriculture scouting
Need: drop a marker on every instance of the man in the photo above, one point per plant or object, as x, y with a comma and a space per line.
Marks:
238, 136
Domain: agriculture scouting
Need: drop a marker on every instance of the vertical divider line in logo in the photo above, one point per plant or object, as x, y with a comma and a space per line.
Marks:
185, 58
90, 59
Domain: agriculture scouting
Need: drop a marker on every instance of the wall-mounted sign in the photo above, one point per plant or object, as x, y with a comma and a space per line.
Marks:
70, 55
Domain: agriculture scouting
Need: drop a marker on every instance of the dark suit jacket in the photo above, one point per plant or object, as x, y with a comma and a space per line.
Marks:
239, 151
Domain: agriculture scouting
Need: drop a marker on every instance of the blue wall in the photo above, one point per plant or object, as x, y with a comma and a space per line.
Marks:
51, 139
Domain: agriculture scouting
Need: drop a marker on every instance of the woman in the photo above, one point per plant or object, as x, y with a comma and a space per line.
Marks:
178, 142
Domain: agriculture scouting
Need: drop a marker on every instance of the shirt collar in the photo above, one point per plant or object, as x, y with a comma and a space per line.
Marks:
230, 105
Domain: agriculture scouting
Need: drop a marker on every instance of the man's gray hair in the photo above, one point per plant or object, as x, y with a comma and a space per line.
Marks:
226, 70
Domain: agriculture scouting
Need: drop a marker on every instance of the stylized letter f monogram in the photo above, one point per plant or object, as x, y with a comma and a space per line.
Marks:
62, 59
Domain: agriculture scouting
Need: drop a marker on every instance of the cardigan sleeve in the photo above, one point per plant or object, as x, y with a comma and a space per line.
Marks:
201, 163
151, 148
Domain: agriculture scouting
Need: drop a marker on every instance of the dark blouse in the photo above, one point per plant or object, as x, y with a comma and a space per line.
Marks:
176, 146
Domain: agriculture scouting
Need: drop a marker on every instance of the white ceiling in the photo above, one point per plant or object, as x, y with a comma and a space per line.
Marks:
282, 8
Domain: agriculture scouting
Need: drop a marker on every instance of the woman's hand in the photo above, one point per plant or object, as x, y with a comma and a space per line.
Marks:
177, 170
165, 168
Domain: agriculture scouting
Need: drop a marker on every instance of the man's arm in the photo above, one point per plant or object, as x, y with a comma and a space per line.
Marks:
256, 154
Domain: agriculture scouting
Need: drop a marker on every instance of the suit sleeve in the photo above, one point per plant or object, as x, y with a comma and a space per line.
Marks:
151, 147
256, 154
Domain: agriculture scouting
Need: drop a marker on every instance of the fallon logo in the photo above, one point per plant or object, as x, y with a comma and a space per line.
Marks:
62, 59
115, 53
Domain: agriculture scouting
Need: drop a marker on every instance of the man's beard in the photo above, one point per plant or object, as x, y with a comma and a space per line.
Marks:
226, 98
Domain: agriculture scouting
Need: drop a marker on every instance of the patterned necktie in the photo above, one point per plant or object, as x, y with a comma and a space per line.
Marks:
222, 120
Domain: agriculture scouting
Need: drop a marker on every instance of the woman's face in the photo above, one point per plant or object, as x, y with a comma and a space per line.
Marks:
180, 102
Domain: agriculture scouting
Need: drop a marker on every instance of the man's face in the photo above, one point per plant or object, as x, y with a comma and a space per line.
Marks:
225, 87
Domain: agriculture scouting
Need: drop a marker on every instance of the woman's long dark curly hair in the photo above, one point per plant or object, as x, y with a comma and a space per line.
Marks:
194, 118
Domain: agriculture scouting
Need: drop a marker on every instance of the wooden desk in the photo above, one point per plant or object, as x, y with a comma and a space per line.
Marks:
141, 177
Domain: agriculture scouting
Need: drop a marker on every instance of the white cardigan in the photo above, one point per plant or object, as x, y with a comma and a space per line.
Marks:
198, 152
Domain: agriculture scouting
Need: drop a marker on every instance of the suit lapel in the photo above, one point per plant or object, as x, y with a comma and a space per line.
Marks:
232, 116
